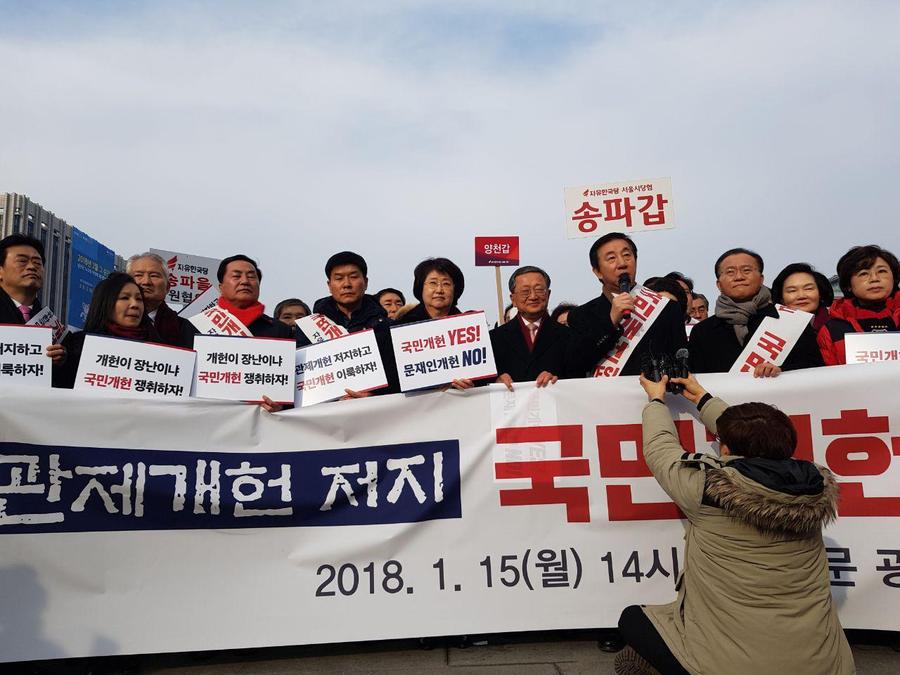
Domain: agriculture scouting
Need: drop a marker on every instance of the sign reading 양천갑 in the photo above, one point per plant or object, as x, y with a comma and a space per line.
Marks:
189, 275
632, 206
502, 251
325, 369
648, 305
319, 328
219, 321
244, 369
46, 317
436, 352
23, 355
773, 340
872, 347
134, 369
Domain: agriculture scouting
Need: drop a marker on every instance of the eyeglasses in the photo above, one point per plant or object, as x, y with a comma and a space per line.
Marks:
539, 292
732, 272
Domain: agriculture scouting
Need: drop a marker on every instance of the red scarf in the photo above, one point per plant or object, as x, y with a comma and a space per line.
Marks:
247, 315
136, 333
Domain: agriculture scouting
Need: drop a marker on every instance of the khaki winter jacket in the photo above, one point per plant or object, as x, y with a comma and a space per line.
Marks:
754, 596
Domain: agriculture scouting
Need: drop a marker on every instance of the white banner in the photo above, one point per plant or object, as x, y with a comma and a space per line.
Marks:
219, 321
189, 275
319, 328
872, 347
446, 513
326, 369
632, 206
134, 369
647, 308
46, 317
244, 369
202, 303
773, 340
23, 356
436, 352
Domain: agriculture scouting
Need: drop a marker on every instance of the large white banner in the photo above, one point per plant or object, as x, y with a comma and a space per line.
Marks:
132, 526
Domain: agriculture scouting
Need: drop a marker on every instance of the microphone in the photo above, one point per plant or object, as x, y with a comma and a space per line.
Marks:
682, 368
625, 287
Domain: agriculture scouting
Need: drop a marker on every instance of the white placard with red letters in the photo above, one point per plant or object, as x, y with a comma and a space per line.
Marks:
562, 539
23, 356
319, 328
219, 321
203, 302
189, 275
632, 206
436, 352
132, 369
46, 317
872, 347
324, 370
244, 369
648, 305
773, 340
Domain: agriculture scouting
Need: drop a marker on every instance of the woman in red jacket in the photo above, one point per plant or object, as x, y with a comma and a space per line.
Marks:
869, 276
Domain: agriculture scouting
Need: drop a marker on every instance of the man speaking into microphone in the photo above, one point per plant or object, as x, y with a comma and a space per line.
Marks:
607, 319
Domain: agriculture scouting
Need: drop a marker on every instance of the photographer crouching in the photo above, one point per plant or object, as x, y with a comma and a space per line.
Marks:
754, 595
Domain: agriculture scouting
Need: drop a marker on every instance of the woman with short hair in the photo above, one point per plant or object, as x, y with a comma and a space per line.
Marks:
800, 286
117, 310
869, 277
438, 285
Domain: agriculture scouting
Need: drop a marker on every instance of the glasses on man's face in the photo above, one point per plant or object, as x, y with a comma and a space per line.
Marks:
539, 292
732, 272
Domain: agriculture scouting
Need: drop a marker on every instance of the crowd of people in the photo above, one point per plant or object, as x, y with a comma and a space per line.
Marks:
536, 343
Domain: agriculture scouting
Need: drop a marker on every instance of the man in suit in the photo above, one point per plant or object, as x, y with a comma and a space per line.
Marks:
21, 280
149, 272
531, 346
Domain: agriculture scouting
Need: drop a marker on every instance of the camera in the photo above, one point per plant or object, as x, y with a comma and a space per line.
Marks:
674, 365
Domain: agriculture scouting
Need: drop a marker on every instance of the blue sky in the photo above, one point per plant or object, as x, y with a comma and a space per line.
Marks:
403, 129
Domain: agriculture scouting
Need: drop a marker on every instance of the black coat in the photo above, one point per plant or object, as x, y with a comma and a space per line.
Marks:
9, 309
173, 330
64, 376
591, 321
557, 350
419, 313
714, 345
264, 326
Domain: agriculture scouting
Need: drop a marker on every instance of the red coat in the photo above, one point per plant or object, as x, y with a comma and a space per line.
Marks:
848, 317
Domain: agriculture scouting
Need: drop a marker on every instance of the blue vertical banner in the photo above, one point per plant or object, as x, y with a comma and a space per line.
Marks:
91, 263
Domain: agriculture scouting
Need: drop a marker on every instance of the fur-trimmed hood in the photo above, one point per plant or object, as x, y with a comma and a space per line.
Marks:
798, 501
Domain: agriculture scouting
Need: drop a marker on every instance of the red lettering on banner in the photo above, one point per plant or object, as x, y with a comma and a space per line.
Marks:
877, 460
771, 343
619, 209
587, 217
543, 472
461, 336
646, 201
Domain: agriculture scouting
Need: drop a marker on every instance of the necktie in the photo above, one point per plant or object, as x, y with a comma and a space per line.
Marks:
532, 331
26, 312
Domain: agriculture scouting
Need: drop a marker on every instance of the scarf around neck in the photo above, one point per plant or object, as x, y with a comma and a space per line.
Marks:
247, 315
739, 313
136, 333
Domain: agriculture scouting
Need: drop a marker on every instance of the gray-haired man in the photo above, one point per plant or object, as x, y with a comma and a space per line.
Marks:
149, 271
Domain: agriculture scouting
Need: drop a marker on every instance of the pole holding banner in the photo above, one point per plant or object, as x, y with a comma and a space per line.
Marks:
497, 252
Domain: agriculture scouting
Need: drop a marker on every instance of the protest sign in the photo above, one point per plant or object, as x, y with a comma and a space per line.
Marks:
189, 275
872, 347
496, 251
319, 328
244, 369
632, 206
219, 321
394, 517
431, 353
206, 300
23, 355
648, 305
134, 369
773, 340
325, 369
46, 317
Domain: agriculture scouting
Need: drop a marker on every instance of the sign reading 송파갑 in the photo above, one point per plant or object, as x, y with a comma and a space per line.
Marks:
872, 347
23, 355
502, 251
773, 340
432, 353
189, 275
134, 369
632, 206
244, 369
319, 328
326, 369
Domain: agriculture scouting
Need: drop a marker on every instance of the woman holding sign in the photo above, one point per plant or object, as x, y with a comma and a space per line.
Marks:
871, 304
117, 310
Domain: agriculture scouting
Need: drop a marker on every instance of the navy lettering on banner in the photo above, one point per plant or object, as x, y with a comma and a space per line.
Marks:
45, 488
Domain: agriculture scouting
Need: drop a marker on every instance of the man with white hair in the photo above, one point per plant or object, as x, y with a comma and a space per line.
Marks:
149, 272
